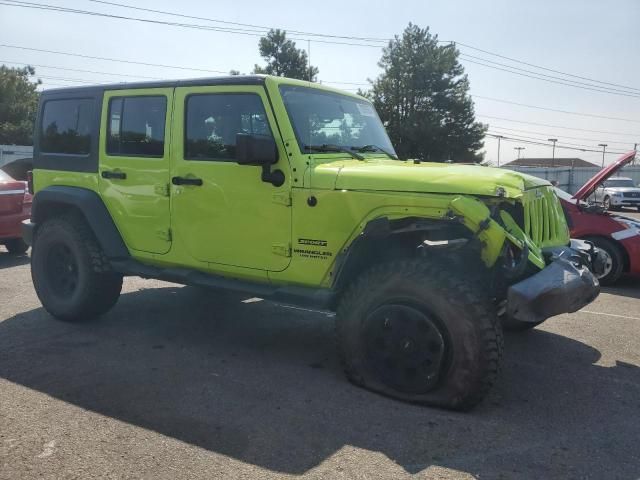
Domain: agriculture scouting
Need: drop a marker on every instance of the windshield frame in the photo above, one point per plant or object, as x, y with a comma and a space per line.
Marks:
303, 143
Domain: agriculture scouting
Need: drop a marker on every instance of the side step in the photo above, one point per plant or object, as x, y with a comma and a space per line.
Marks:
290, 294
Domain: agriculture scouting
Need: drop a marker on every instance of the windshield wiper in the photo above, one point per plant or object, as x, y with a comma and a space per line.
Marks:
333, 148
374, 148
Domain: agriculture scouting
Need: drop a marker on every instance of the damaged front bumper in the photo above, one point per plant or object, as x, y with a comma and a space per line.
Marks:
565, 285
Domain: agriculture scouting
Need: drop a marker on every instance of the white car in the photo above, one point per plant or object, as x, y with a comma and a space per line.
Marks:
618, 192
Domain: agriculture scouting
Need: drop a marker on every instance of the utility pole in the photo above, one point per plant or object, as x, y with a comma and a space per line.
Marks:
604, 147
499, 137
519, 149
553, 154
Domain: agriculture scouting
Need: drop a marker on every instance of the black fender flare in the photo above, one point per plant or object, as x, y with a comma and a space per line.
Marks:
90, 205
377, 231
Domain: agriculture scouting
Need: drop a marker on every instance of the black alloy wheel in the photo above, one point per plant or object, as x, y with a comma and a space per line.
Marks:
405, 347
62, 270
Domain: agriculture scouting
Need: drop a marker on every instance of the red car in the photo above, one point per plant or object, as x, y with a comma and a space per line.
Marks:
15, 206
617, 235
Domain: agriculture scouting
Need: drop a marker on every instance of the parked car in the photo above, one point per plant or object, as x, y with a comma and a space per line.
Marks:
15, 206
617, 235
617, 192
18, 169
292, 191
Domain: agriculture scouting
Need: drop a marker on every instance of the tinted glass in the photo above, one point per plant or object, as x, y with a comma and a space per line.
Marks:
321, 117
66, 126
619, 182
136, 126
214, 120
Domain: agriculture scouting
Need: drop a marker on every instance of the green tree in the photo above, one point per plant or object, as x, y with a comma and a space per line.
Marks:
283, 58
18, 105
422, 97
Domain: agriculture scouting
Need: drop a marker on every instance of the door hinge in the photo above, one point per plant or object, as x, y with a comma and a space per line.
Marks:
283, 198
164, 234
162, 189
282, 249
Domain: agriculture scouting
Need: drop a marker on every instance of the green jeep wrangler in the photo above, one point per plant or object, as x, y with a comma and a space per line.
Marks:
292, 192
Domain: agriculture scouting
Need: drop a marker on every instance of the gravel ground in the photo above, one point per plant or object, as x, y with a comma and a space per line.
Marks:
177, 382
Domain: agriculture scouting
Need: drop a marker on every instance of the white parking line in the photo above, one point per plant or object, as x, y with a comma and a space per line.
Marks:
610, 315
319, 312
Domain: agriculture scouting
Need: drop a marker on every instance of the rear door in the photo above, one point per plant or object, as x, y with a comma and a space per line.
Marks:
134, 165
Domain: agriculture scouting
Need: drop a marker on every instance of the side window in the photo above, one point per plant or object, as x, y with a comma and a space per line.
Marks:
135, 126
214, 120
66, 126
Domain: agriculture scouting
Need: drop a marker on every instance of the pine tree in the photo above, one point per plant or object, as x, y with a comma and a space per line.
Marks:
422, 98
283, 58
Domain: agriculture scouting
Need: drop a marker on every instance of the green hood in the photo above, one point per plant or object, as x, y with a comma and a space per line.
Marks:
405, 176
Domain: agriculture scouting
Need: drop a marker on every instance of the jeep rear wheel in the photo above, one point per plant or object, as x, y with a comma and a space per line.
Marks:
412, 331
71, 275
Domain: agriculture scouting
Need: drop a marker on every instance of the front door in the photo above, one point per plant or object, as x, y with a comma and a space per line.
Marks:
134, 165
222, 212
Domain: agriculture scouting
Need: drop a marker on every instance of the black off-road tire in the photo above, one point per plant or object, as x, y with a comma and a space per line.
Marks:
616, 268
71, 275
16, 246
456, 312
606, 203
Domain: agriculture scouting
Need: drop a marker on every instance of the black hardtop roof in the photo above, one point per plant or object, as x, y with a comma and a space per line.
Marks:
194, 82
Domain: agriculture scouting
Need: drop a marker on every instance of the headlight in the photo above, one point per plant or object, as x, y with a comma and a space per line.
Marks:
616, 194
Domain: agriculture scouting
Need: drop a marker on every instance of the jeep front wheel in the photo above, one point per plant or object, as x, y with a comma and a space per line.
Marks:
412, 331
71, 274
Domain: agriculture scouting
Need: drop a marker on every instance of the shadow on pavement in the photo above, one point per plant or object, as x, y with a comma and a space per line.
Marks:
627, 286
261, 383
8, 260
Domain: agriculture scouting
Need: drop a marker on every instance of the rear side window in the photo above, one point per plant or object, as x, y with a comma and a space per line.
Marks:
66, 126
136, 126
214, 120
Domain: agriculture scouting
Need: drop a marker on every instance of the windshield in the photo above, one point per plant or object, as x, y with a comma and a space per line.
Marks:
326, 118
619, 182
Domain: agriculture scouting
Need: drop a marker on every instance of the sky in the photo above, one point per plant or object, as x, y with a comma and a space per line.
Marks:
589, 38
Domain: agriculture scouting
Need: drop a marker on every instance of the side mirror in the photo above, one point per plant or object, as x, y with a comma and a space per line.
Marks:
256, 149
259, 150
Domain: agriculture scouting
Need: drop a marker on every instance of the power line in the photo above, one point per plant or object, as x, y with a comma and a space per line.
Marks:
239, 31
146, 64
132, 62
546, 135
262, 27
533, 142
75, 80
626, 90
546, 143
568, 112
317, 36
543, 68
565, 83
608, 132
79, 70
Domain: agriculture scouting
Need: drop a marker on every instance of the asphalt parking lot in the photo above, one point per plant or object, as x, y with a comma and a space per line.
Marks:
177, 382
